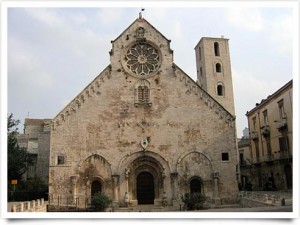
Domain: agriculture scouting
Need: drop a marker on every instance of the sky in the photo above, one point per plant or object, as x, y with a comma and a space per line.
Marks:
54, 53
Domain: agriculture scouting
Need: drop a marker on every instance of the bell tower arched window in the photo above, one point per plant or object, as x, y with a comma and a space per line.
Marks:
220, 90
218, 68
217, 49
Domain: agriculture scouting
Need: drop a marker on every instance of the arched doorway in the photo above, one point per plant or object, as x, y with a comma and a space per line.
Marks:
145, 188
195, 186
96, 187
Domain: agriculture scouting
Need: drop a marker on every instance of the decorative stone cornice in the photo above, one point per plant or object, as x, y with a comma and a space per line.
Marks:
193, 88
92, 90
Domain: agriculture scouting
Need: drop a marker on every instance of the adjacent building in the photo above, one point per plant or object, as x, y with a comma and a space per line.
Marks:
144, 132
36, 140
245, 160
271, 141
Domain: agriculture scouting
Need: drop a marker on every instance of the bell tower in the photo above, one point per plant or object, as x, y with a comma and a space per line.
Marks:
214, 70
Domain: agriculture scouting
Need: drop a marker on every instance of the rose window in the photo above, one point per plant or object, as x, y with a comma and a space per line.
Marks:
142, 59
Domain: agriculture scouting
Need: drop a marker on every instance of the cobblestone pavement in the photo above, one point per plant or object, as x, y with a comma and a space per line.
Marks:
277, 208
253, 209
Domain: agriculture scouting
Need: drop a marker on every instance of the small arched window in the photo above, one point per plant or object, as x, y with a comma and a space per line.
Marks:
199, 53
220, 90
217, 49
142, 93
218, 68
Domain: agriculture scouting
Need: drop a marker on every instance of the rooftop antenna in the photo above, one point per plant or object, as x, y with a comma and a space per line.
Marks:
140, 14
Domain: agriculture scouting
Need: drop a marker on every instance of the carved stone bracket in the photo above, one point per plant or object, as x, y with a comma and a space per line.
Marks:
216, 175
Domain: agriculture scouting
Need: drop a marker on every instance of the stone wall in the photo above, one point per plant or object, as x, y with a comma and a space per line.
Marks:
38, 205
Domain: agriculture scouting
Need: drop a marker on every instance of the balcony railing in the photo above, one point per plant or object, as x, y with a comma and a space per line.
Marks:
254, 135
285, 154
270, 157
282, 124
266, 131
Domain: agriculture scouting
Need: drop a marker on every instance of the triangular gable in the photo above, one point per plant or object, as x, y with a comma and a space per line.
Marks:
87, 92
193, 88
168, 40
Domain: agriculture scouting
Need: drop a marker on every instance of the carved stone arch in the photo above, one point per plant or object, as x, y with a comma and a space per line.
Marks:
149, 165
129, 158
193, 164
184, 154
87, 155
147, 162
94, 168
142, 82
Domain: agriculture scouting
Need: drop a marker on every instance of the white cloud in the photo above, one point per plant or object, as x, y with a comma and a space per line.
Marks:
156, 14
48, 17
176, 30
27, 69
109, 16
78, 18
281, 33
249, 90
248, 19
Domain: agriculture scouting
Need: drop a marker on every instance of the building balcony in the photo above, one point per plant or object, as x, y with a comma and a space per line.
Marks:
284, 155
254, 135
270, 157
265, 131
282, 124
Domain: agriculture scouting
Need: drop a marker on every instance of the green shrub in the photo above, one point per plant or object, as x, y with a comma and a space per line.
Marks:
193, 201
100, 202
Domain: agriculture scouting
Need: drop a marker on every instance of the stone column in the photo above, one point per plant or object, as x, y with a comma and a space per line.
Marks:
163, 176
13, 208
74, 187
33, 204
174, 177
127, 172
115, 179
21, 207
28, 206
174, 181
216, 197
87, 187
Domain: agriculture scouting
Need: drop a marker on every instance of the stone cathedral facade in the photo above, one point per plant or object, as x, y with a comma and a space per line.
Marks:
144, 132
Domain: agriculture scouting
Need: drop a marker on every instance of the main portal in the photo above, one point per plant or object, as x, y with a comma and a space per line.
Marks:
145, 188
